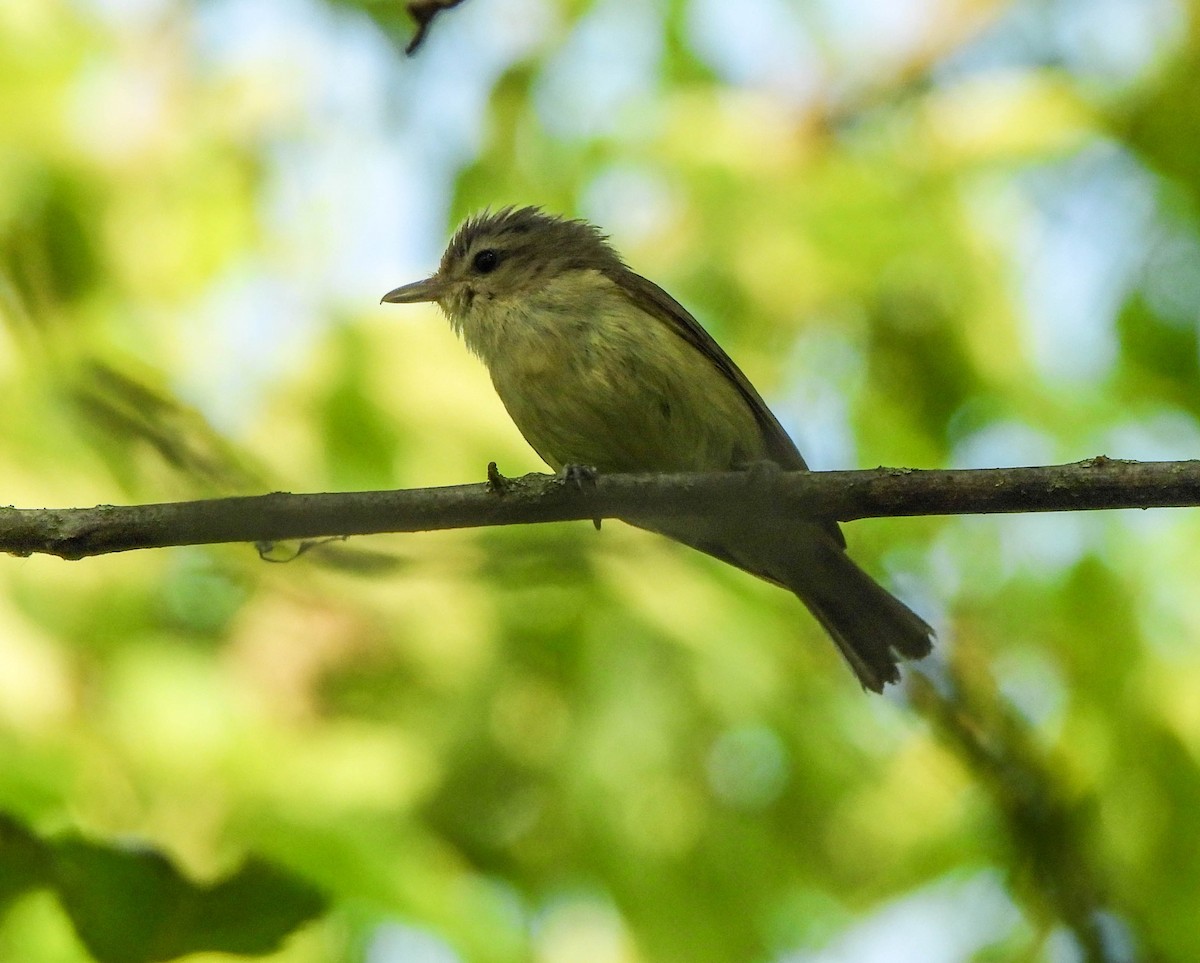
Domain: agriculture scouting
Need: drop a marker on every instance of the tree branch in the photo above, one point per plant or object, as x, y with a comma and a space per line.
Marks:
1098, 483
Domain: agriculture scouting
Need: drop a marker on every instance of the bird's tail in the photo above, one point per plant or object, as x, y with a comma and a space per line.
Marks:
872, 628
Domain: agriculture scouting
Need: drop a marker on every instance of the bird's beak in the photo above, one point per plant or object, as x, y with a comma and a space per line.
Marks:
431, 289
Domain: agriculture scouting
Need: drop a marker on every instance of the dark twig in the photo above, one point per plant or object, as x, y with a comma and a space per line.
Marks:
424, 11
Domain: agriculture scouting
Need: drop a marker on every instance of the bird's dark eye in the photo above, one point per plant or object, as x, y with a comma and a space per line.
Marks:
485, 261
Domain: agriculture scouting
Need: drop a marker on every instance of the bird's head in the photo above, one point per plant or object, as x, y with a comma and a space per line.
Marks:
508, 255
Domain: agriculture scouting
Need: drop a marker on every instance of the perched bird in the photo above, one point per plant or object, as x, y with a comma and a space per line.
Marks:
600, 367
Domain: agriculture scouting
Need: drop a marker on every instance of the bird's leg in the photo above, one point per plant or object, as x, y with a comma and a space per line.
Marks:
761, 478
762, 468
581, 475
761, 472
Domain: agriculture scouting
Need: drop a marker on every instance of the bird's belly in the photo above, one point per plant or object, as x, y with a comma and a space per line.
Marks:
624, 408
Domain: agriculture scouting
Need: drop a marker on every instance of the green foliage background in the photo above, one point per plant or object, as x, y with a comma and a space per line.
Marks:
969, 241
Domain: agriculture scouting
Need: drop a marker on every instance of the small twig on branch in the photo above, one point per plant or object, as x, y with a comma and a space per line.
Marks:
423, 11
1098, 483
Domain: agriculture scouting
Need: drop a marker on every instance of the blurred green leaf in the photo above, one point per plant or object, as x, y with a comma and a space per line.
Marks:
131, 905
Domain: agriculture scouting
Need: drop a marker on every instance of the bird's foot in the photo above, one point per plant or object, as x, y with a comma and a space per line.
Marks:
762, 469
581, 475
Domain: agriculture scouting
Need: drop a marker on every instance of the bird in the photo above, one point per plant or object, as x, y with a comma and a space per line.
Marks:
601, 368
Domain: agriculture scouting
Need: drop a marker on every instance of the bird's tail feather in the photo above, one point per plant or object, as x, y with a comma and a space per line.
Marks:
872, 628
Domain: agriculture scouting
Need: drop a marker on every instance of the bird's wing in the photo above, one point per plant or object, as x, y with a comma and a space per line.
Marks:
781, 449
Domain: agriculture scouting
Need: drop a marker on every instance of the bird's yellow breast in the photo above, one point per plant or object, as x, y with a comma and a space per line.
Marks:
589, 378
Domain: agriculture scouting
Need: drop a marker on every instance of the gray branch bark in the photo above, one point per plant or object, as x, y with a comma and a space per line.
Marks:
1098, 483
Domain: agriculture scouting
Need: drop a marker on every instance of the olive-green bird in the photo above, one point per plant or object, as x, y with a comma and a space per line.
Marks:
600, 367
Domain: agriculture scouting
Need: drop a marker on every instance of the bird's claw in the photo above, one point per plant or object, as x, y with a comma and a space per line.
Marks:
763, 469
581, 475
